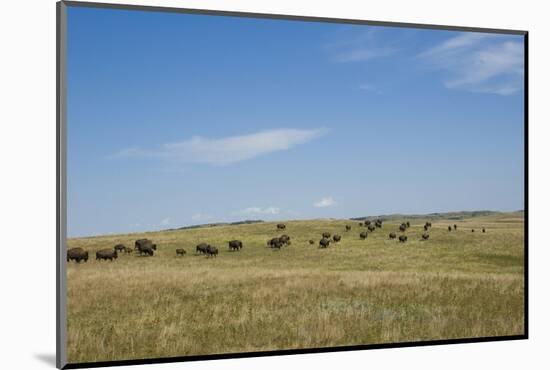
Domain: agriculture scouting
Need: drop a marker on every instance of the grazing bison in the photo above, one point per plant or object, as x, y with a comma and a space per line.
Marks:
128, 250
402, 227
348, 227
425, 227
336, 238
393, 236
403, 238
235, 245
311, 241
281, 226
201, 248
106, 254
483, 230
408, 224
363, 235
425, 236
77, 254
212, 251
361, 224
326, 235
472, 230
120, 248
145, 246
429, 224
285, 239
275, 243
367, 223
323, 243
180, 252
378, 223
454, 226
449, 228
371, 228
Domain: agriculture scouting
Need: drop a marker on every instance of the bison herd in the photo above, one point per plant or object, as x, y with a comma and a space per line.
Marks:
146, 247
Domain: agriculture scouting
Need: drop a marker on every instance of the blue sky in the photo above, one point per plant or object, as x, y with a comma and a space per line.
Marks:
178, 119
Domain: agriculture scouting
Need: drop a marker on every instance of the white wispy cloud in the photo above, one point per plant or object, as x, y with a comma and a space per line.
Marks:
479, 62
222, 151
360, 47
325, 202
260, 211
165, 221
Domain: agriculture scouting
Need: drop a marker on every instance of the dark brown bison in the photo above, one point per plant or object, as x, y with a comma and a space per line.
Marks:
378, 223
363, 235
77, 254
408, 224
311, 241
285, 239
393, 236
235, 245
275, 243
348, 227
449, 228
180, 252
201, 248
429, 224
281, 226
326, 235
425, 227
145, 247
360, 224
425, 236
120, 248
371, 228
367, 223
402, 227
106, 254
472, 230
403, 238
455, 226
323, 243
336, 238
212, 251
483, 230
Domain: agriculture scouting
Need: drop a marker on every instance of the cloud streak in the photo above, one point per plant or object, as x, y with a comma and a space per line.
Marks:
360, 47
477, 62
325, 202
227, 150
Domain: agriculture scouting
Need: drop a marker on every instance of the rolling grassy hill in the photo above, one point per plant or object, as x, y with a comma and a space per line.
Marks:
457, 284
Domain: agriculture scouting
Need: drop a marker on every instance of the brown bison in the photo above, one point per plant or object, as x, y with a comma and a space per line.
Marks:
402, 227
403, 238
378, 223
449, 228
348, 227
483, 230
201, 248
106, 254
367, 223
326, 235
371, 228
77, 254
235, 245
180, 252
425, 236
360, 224
336, 238
275, 243
212, 251
408, 224
285, 239
281, 226
455, 226
425, 227
145, 246
393, 236
472, 230
363, 235
323, 243
311, 241
120, 248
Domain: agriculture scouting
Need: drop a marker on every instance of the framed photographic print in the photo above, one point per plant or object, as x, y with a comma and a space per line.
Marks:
235, 184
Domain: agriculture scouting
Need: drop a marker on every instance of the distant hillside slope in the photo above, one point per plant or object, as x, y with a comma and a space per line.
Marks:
437, 216
218, 224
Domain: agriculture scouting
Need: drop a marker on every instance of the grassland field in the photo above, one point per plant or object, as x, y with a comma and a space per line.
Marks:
457, 284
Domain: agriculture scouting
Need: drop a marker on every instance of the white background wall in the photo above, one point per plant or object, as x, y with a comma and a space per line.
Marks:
27, 181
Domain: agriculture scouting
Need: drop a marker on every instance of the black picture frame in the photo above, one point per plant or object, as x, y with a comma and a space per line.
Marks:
61, 188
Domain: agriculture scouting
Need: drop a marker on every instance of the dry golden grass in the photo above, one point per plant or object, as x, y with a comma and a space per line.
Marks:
455, 285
